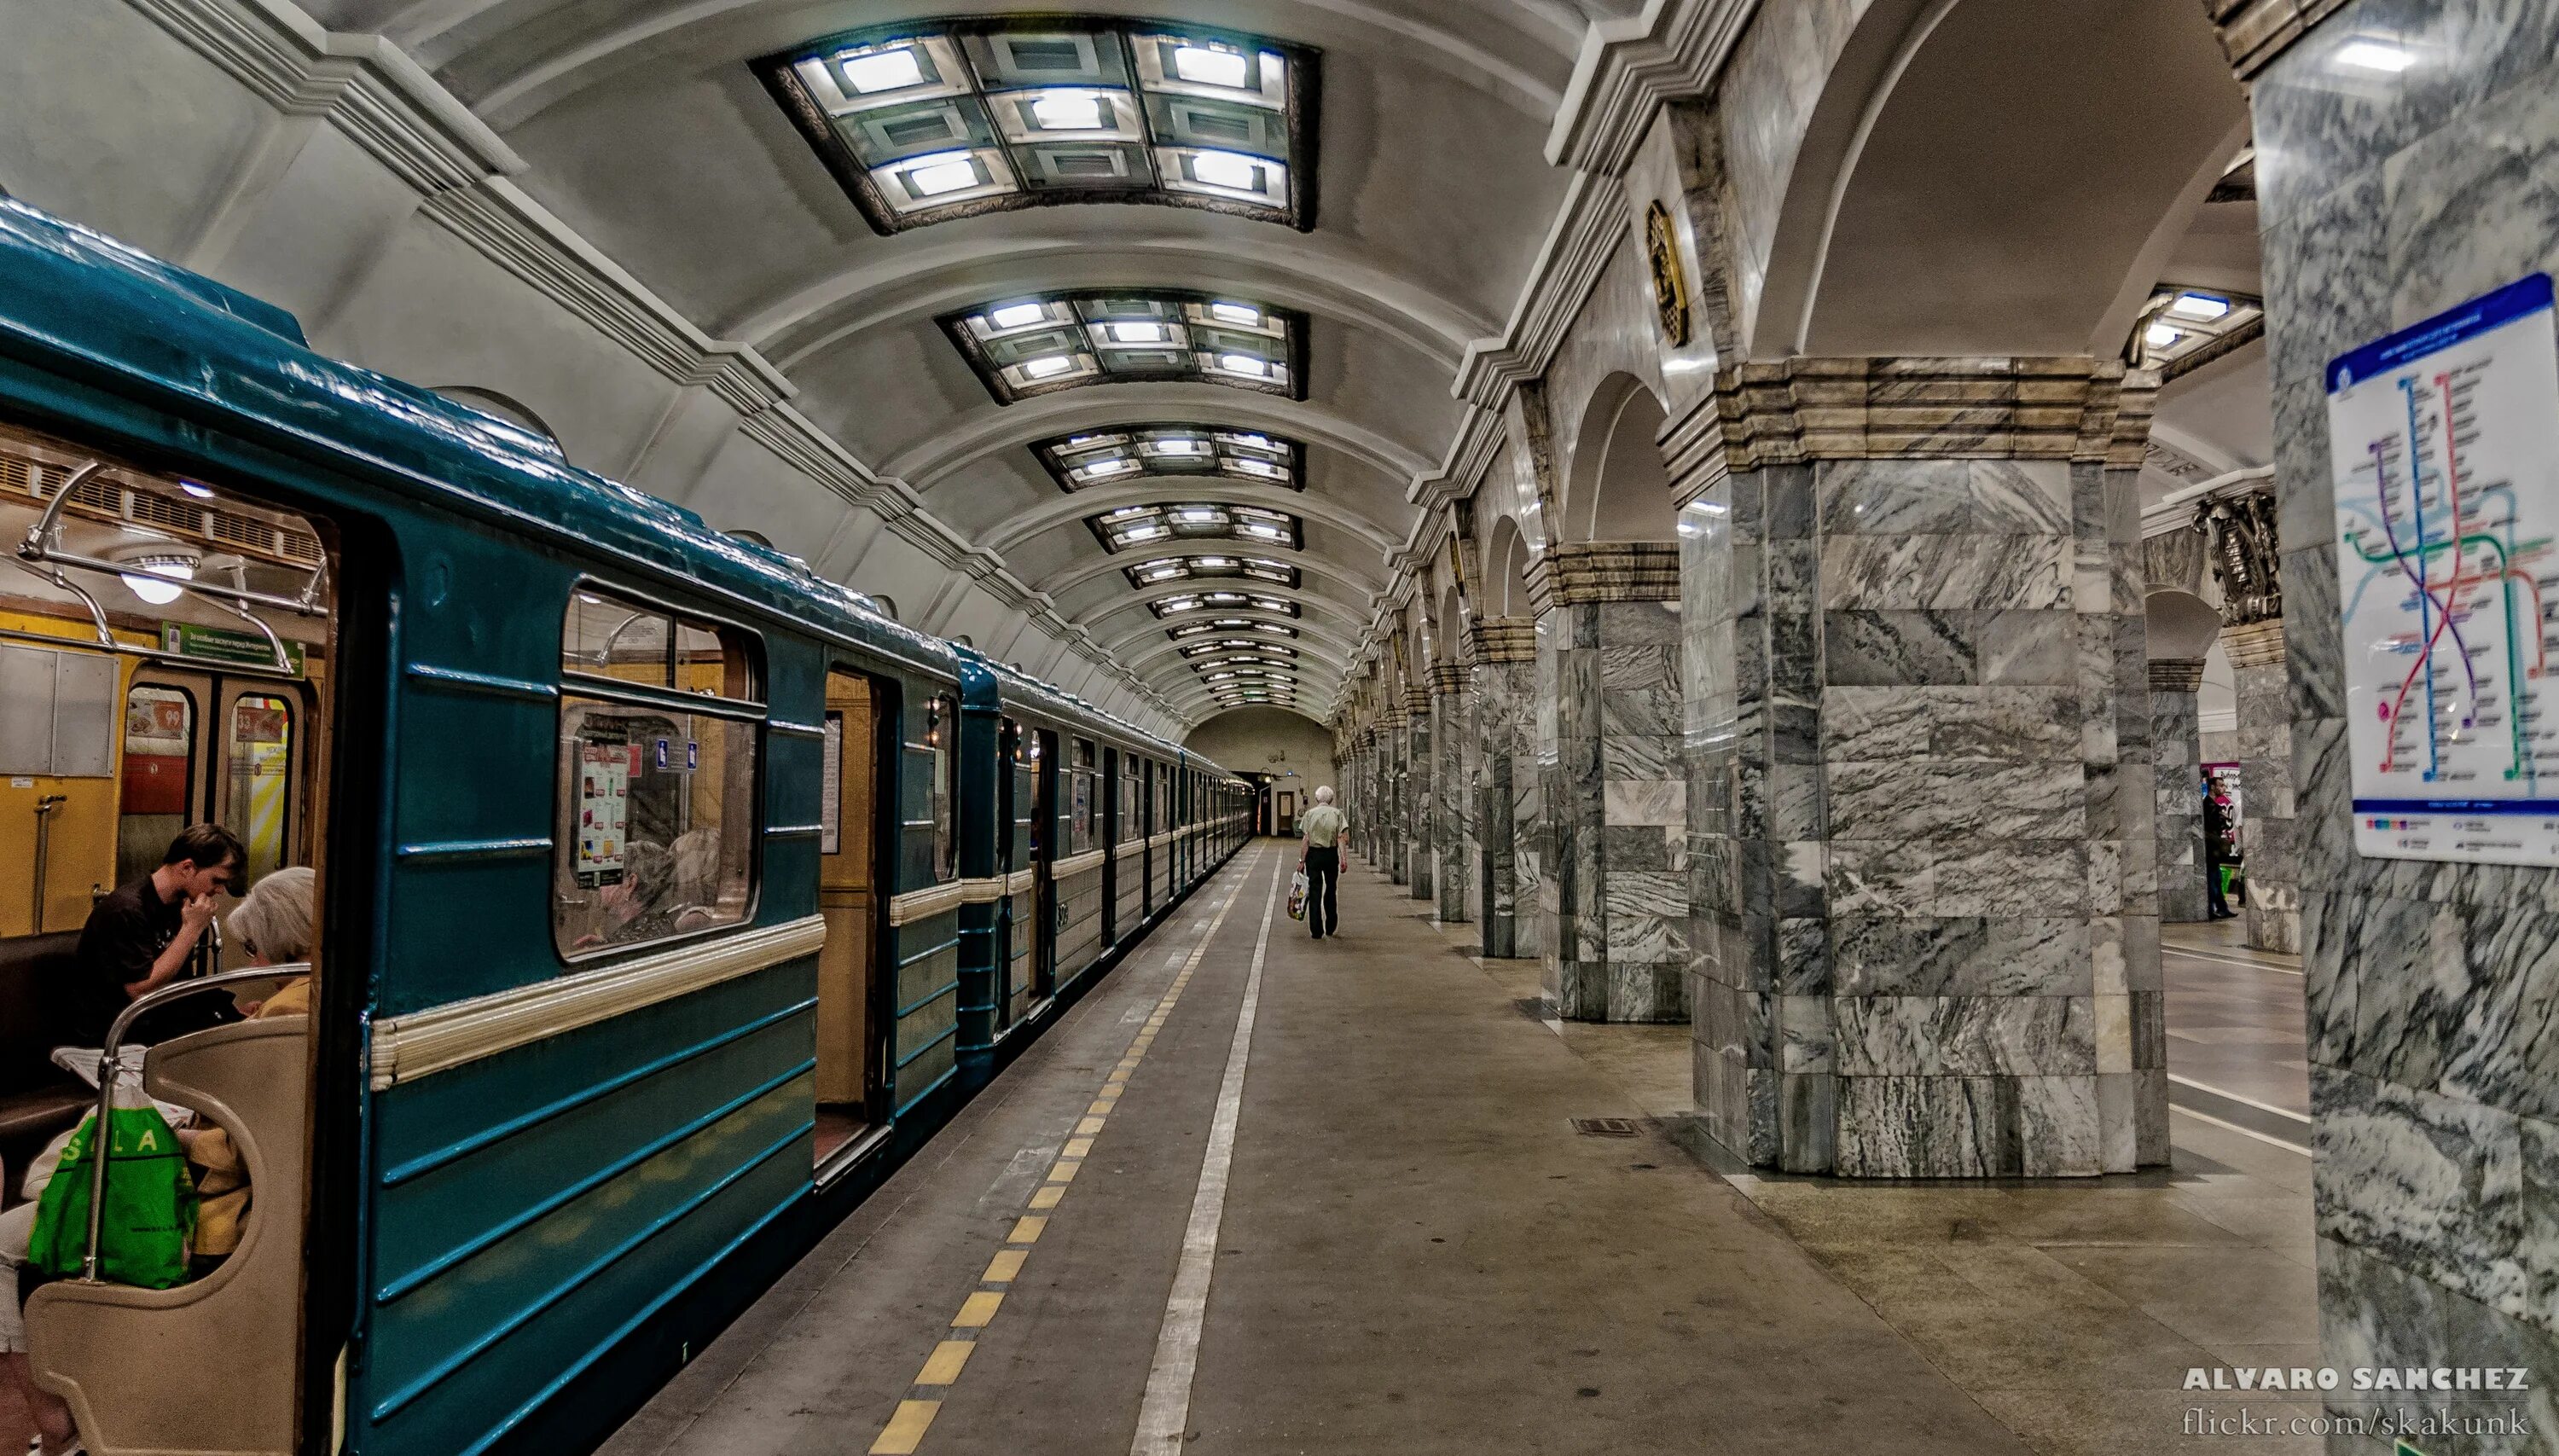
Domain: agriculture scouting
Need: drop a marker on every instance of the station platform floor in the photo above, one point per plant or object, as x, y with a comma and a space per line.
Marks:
1263, 1194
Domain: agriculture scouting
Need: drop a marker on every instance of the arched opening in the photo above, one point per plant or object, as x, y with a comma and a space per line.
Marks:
1617, 488
1506, 571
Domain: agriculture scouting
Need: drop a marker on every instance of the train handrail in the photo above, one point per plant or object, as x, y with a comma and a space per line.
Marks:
100, 1146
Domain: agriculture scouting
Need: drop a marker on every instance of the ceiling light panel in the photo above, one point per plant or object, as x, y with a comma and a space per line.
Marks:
1138, 526
2182, 329
1164, 569
1117, 336
1055, 109
1222, 600
1230, 626
1153, 451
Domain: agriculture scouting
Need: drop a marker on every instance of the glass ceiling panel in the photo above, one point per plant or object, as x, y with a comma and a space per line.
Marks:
2182, 329
1222, 601
1037, 344
1129, 453
1138, 526
924, 121
1236, 642
1184, 568
1228, 624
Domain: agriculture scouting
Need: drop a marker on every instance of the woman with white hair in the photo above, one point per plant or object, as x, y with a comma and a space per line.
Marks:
1325, 828
272, 927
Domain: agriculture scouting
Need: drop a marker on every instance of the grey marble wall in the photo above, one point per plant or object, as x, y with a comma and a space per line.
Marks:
1452, 832
2385, 199
2177, 747
1422, 855
1614, 905
1507, 812
1921, 838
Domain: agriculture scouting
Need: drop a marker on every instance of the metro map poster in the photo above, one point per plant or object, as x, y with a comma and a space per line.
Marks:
2445, 441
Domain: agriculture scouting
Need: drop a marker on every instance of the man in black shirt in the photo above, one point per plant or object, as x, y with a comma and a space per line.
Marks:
141, 938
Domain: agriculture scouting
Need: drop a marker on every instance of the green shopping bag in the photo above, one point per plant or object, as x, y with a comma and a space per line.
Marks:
150, 1205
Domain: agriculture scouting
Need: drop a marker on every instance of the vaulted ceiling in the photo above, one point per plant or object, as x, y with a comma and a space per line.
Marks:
649, 128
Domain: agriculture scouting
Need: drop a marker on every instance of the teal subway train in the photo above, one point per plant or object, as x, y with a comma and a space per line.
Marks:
668, 894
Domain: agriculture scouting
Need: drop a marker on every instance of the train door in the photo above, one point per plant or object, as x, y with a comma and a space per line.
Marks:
1044, 832
152, 679
206, 748
1113, 831
852, 1022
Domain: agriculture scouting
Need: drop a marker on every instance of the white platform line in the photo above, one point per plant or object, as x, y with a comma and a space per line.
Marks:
2229, 960
2301, 1118
2290, 1147
1166, 1411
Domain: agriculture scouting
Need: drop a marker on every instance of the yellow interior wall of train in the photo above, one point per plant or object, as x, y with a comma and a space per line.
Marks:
81, 845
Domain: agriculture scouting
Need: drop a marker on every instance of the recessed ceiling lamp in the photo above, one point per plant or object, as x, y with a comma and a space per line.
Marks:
943, 172
1017, 315
2372, 54
1202, 66
882, 71
1047, 365
1227, 169
2201, 307
1069, 111
1241, 315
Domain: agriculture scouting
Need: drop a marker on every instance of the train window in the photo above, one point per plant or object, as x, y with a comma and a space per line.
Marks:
259, 757
1079, 828
159, 777
656, 803
940, 729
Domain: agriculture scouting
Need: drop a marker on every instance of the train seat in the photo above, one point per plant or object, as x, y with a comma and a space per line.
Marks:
211, 1365
37, 1098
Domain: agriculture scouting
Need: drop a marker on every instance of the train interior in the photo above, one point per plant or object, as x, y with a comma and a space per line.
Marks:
853, 1018
166, 659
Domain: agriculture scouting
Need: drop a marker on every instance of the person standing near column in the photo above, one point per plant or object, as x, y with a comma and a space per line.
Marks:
1325, 828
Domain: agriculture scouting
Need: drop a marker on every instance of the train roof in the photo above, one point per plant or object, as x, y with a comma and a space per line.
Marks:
75, 301
1017, 686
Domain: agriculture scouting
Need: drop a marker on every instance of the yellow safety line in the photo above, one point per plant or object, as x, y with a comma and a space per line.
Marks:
906, 1427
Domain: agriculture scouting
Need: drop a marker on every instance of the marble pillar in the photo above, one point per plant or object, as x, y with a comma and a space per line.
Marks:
2386, 197
1420, 855
1396, 803
2270, 855
1614, 904
1507, 810
1920, 797
1451, 858
2177, 769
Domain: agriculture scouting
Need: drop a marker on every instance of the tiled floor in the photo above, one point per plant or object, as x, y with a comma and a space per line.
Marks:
2069, 1310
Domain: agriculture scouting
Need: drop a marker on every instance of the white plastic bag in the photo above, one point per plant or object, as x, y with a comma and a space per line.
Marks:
1297, 895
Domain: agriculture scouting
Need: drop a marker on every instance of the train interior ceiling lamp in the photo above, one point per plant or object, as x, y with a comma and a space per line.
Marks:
923, 122
1131, 453
1039, 344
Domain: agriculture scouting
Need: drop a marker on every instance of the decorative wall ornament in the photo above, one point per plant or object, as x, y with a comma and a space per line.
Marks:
1670, 281
2245, 556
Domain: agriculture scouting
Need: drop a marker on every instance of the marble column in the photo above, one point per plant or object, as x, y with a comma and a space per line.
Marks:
1921, 849
1420, 856
2271, 855
1450, 831
1507, 813
1394, 805
2177, 769
2387, 196
1614, 906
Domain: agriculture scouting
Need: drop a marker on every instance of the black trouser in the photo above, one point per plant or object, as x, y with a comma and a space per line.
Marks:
2215, 905
1323, 872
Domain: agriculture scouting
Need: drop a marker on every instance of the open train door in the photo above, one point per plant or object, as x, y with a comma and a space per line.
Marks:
852, 1021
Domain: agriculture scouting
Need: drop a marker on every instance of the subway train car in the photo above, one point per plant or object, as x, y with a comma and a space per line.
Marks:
667, 895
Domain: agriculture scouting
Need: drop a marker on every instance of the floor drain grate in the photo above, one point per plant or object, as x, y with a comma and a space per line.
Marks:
1606, 1126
